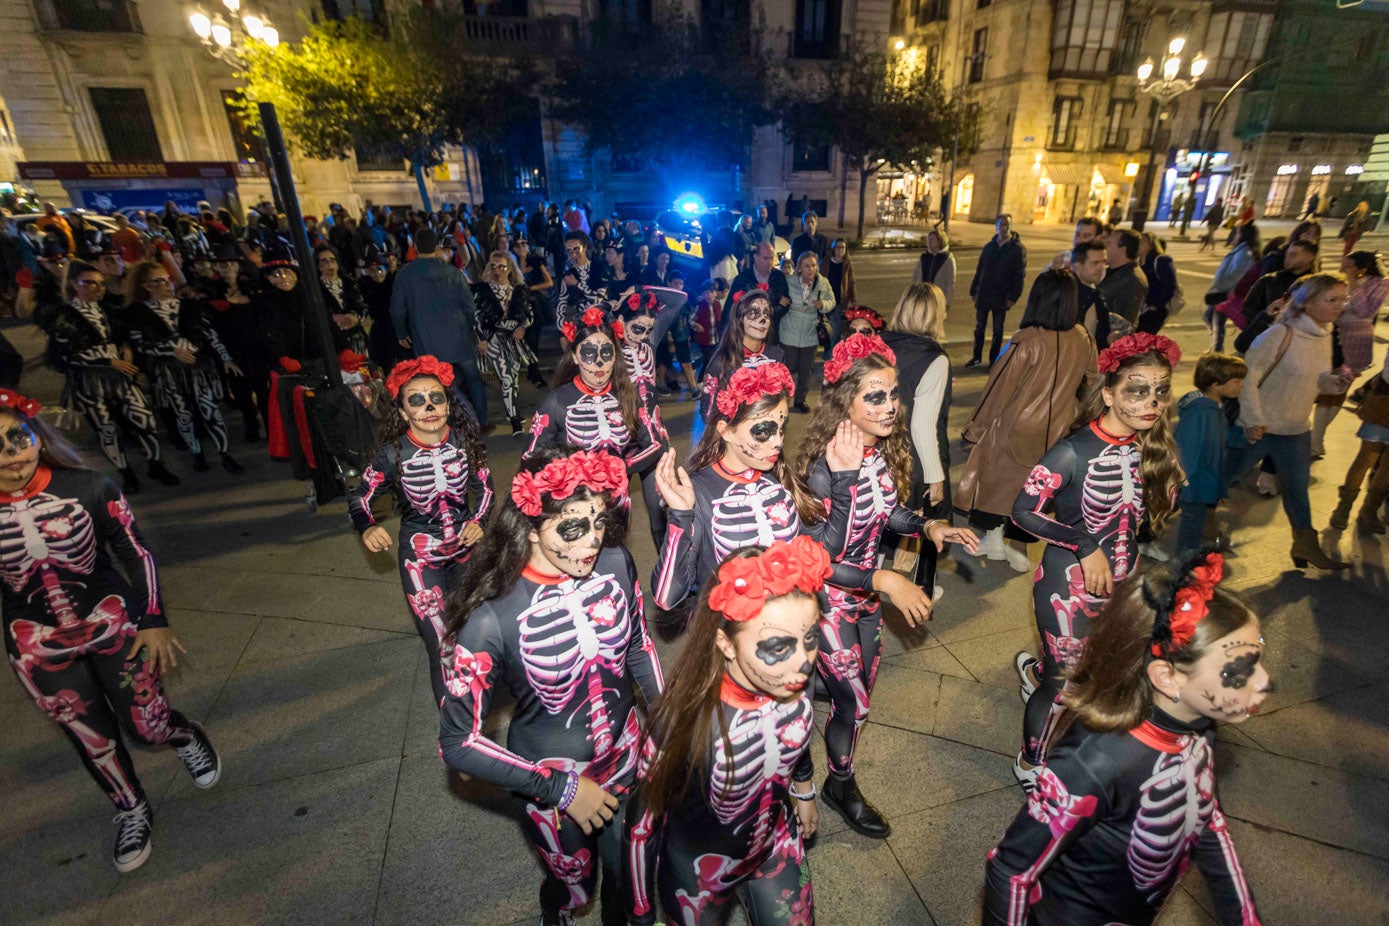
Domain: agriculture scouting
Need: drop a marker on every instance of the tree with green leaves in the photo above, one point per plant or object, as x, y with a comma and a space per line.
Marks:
407, 92
877, 110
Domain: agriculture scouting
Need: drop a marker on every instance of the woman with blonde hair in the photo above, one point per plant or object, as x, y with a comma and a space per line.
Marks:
1289, 365
937, 265
915, 333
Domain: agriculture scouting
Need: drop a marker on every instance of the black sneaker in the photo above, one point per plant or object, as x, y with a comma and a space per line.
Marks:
200, 462
130, 483
160, 473
972, 362
516, 427
133, 828
203, 764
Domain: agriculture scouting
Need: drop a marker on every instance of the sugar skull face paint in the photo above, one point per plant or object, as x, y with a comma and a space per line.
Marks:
774, 653
639, 329
755, 443
1141, 396
1230, 681
569, 542
19, 453
596, 354
875, 404
425, 408
756, 315
859, 326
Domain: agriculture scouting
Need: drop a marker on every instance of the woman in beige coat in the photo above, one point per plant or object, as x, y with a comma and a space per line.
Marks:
1028, 403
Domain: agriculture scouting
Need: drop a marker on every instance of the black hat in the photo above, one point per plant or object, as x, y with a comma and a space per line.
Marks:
373, 256
426, 240
279, 254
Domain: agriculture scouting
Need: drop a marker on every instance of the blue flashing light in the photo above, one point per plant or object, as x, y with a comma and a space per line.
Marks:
690, 204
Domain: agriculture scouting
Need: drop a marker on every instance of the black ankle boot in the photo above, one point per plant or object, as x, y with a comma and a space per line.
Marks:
160, 473
230, 465
843, 795
130, 483
200, 462
516, 427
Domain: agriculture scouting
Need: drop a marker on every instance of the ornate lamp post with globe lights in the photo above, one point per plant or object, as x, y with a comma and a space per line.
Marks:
227, 35
1165, 83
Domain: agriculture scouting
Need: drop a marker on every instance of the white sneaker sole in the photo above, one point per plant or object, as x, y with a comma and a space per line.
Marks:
1020, 662
136, 861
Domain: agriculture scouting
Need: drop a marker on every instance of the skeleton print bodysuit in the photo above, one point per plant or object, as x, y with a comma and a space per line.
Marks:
431, 483
577, 416
736, 510
851, 630
1092, 483
571, 652
641, 366
735, 831
1113, 824
70, 617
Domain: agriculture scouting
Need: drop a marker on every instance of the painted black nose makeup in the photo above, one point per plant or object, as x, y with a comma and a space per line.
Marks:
592, 354
420, 399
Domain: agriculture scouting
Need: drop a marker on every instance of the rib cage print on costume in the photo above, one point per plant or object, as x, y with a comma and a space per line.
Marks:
1114, 823
734, 829
578, 416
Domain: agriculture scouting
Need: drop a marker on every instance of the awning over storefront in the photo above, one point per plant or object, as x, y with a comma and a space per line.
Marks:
1068, 174
1111, 174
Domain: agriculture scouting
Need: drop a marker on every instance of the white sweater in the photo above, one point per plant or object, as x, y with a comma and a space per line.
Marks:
1283, 405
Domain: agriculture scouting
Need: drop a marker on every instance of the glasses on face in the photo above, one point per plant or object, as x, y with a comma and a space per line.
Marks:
421, 399
497, 268
592, 354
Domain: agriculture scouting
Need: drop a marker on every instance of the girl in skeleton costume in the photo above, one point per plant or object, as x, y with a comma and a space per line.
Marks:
343, 300
638, 315
90, 343
551, 609
1128, 796
715, 815
861, 392
184, 358
75, 627
594, 405
430, 457
503, 315
744, 344
1118, 468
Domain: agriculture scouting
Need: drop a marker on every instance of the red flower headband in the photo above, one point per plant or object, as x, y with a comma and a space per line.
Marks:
595, 316
855, 347
761, 287
748, 384
1136, 345
595, 470
20, 403
867, 314
639, 301
1190, 603
746, 583
428, 365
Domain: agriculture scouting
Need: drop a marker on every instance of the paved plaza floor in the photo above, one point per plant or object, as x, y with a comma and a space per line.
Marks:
334, 807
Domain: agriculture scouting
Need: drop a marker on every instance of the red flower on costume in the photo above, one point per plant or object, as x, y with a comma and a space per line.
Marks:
428, 365
1136, 345
571, 331
20, 403
747, 582
855, 347
764, 286
748, 384
1192, 602
865, 313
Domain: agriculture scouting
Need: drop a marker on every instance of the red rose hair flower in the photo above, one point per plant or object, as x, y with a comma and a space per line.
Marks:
867, 314
594, 316
596, 470
748, 384
21, 403
855, 347
618, 330
1190, 603
570, 330
746, 583
428, 365
1136, 345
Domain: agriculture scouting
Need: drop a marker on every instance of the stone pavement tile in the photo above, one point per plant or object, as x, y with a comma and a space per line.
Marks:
980, 715
934, 658
943, 850
903, 772
1344, 731
358, 603
858, 880
1312, 801
338, 553
1006, 605
42, 781
280, 638
905, 698
1300, 881
304, 850
433, 872
1182, 909
59, 875
899, 637
1300, 675
990, 659
244, 592
312, 713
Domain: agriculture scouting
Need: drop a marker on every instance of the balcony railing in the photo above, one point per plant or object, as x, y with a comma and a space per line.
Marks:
544, 32
1116, 140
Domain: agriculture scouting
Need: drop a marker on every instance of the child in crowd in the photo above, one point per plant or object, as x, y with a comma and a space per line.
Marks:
707, 316
1201, 436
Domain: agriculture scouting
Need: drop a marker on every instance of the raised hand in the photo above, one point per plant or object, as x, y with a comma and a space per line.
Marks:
844, 453
674, 484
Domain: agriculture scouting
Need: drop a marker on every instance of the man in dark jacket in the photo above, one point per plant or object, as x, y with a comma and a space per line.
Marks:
432, 311
997, 285
810, 240
762, 272
1087, 265
1300, 258
1125, 287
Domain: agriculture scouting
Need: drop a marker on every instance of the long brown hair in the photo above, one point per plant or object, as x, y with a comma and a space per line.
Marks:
728, 356
684, 718
711, 448
835, 401
621, 382
135, 289
1108, 689
1162, 474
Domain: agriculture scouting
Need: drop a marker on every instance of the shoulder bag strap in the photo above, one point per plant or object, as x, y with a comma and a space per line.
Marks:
1278, 358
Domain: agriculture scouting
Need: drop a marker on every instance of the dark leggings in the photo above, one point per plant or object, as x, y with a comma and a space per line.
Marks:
981, 321
801, 362
569, 857
1064, 614
426, 588
92, 695
851, 636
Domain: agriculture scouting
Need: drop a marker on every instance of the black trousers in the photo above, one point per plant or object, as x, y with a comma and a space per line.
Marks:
801, 362
981, 320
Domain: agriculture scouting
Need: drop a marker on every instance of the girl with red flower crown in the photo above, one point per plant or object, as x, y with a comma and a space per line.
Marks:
745, 343
88, 644
1087, 499
595, 406
1128, 797
431, 458
860, 396
550, 608
723, 810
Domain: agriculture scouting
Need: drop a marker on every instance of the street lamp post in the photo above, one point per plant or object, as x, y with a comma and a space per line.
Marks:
1165, 89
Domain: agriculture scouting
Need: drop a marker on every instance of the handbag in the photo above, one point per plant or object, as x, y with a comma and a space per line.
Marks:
822, 333
1374, 406
1178, 302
